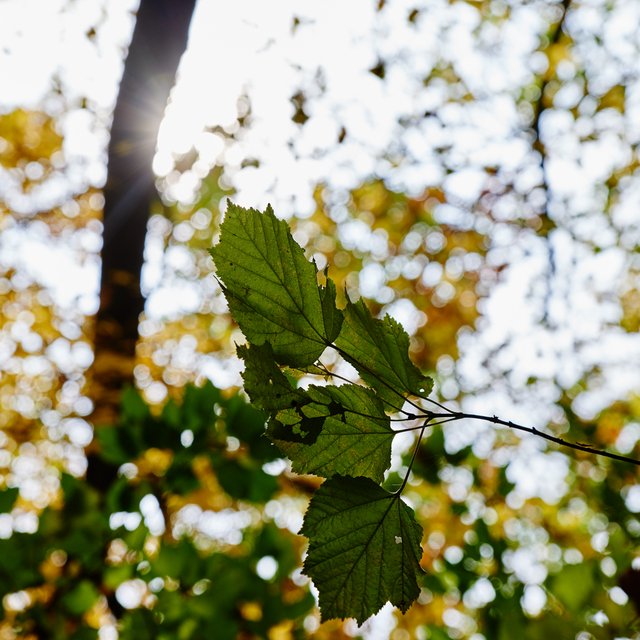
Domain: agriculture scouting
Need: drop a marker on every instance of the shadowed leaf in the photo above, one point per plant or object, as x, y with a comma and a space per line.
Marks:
265, 383
364, 549
342, 430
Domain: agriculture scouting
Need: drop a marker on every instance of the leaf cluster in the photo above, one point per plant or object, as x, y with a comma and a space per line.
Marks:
364, 542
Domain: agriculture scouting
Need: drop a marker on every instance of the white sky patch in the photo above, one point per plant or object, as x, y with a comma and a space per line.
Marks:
371, 279
632, 499
541, 474
131, 593
267, 567
406, 313
152, 514
480, 594
465, 185
130, 520
176, 299
32, 251
533, 600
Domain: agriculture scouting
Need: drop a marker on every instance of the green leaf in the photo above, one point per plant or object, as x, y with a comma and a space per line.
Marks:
272, 289
332, 316
134, 408
379, 350
115, 445
573, 585
197, 410
247, 424
243, 481
7, 499
364, 549
81, 598
179, 477
341, 430
267, 386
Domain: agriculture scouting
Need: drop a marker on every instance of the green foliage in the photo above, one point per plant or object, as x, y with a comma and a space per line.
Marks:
196, 590
337, 431
268, 388
7, 499
378, 349
574, 585
364, 544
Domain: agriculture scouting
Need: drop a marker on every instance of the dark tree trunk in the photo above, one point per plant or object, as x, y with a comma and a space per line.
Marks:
159, 39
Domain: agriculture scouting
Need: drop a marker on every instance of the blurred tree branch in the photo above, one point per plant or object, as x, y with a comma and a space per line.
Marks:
539, 107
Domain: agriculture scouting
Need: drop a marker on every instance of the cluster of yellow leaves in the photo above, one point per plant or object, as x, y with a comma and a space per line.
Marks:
630, 301
171, 352
45, 348
31, 331
30, 146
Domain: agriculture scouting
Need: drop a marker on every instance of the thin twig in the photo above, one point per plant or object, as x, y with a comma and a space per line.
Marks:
536, 432
449, 415
431, 424
413, 457
441, 406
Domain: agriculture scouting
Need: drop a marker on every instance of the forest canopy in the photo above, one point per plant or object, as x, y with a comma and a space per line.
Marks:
467, 175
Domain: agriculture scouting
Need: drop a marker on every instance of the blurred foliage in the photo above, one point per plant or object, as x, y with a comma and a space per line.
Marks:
45, 342
499, 564
434, 268
30, 146
101, 557
172, 351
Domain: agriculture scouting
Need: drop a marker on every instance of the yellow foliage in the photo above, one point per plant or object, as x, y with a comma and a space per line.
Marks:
282, 631
630, 301
251, 611
26, 137
155, 462
614, 98
410, 236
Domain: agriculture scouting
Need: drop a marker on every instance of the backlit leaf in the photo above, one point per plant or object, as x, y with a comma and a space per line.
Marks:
272, 289
341, 430
378, 349
364, 549
267, 386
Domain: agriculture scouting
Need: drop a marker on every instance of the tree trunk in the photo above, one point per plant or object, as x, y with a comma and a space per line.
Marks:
159, 39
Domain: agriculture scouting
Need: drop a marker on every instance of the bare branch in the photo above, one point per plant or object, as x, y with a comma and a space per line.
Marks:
536, 432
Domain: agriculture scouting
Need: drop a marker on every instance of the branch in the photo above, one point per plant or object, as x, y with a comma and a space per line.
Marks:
452, 416
423, 427
536, 432
539, 108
